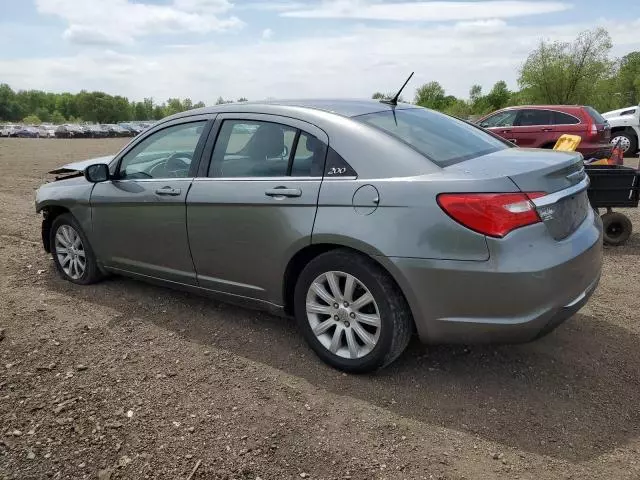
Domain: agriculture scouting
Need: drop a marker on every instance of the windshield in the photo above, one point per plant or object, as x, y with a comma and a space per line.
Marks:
442, 139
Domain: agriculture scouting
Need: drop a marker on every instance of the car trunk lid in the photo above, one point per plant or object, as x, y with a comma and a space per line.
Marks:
560, 175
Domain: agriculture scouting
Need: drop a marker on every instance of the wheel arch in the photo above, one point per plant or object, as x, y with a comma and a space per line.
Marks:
305, 255
50, 213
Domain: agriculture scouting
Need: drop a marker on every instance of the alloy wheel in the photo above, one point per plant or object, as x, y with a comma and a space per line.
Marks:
343, 314
625, 143
70, 251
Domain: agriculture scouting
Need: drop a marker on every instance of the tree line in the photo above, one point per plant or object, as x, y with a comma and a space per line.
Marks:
578, 72
36, 106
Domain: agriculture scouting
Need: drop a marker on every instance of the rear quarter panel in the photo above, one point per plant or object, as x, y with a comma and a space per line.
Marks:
408, 222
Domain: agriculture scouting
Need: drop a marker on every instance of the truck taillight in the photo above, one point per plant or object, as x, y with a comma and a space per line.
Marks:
492, 214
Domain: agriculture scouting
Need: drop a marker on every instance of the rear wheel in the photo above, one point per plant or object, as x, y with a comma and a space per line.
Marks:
72, 253
351, 312
617, 228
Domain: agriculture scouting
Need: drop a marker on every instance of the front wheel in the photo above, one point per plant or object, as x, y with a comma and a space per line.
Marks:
628, 143
72, 253
351, 312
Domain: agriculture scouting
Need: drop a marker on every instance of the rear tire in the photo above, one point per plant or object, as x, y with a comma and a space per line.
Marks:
617, 228
71, 251
370, 333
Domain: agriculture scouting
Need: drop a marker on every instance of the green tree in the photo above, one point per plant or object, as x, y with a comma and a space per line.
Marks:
31, 120
199, 105
243, 99
57, 118
498, 97
628, 81
174, 105
567, 73
431, 95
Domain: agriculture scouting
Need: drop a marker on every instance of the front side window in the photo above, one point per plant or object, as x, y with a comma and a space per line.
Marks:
500, 119
167, 153
442, 139
252, 148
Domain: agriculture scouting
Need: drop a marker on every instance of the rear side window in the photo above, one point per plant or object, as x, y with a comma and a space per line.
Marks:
528, 118
595, 115
442, 139
560, 118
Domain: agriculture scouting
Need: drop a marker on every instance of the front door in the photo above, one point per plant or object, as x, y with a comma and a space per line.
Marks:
256, 203
139, 217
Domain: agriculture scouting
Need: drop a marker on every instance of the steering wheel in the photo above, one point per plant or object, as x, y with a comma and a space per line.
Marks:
175, 166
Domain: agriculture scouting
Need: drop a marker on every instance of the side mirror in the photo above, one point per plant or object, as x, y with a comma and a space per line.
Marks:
97, 173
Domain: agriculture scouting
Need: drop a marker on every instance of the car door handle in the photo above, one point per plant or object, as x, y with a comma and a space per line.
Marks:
505, 131
547, 129
283, 192
168, 191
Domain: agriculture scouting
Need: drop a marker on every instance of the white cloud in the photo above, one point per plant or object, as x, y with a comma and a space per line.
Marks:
271, 6
432, 11
351, 63
121, 21
267, 33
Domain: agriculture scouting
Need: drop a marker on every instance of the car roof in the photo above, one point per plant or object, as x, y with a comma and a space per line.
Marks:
545, 107
343, 107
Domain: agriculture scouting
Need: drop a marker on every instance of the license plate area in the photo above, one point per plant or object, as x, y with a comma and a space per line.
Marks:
566, 215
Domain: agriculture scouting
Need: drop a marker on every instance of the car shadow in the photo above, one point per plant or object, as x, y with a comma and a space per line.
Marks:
572, 395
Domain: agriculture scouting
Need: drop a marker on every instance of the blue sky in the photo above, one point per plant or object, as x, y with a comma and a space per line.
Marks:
287, 48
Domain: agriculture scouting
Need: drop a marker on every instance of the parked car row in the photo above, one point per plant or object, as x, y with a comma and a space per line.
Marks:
125, 129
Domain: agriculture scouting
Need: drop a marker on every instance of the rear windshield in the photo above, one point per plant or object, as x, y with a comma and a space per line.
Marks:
442, 139
595, 115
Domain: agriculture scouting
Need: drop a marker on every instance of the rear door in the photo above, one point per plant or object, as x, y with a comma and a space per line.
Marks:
254, 202
533, 128
566, 123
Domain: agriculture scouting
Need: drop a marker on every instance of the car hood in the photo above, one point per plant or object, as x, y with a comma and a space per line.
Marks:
81, 165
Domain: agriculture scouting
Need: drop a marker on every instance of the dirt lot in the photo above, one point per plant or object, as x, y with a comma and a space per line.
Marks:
126, 380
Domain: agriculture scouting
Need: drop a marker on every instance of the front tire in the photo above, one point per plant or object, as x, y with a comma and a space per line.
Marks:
628, 142
351, 312
71, 251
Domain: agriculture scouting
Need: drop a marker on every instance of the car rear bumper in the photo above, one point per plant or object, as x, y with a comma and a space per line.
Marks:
525, 290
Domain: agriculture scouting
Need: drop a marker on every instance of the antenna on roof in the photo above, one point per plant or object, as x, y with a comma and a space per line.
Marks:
394, 100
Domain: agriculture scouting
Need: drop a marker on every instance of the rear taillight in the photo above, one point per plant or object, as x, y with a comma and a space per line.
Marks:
492, 214
593, 130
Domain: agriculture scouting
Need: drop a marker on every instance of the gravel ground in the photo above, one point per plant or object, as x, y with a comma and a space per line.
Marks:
127, 380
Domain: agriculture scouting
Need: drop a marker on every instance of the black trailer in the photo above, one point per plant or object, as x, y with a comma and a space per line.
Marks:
614, 186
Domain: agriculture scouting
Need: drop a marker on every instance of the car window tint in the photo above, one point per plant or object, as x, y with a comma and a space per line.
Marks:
533, 117
248, 148
167, 153
309, 157
442, 139
560, 118
500, 119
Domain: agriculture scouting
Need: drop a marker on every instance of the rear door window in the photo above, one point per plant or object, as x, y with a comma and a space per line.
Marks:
531, 117
442, 139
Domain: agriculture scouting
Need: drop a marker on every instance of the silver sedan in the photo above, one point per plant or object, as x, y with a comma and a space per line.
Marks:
364, 220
